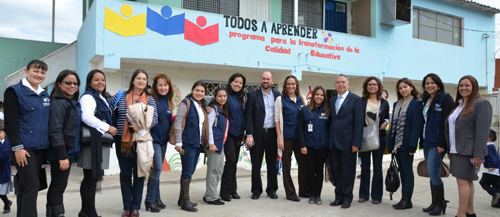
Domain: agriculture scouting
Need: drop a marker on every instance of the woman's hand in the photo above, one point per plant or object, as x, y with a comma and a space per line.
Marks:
412, 153
21, 157
477, 161
209, 109
440, 150
112, 130
384, 125
303, 150
212, 148
281, 145
63, 164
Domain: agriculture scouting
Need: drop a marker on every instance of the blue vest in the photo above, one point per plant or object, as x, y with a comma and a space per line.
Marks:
219, 130
291, 111
33, 117
317, 117
160, 131
76, 150
236, 115
191, 135
102, 112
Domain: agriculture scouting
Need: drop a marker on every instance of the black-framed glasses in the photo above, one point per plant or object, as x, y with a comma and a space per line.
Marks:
69, 83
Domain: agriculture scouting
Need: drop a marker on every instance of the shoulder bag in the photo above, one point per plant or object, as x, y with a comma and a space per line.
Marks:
371, 140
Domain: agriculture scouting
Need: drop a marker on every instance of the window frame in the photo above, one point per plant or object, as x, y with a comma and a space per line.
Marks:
436, 28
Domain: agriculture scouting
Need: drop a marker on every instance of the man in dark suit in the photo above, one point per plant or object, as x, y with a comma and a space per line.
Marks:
261, 129
346, 133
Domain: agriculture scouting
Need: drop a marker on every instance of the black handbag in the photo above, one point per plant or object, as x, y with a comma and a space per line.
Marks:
105, 138
392, 181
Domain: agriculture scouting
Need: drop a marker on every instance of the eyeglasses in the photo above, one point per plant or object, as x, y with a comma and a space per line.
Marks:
69, 83
372, 85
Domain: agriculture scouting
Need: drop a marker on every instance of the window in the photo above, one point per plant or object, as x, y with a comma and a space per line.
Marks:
437, 27
310, 13
213, 85
226, 7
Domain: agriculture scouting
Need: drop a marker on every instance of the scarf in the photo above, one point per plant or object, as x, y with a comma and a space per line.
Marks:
127, 133
400, 119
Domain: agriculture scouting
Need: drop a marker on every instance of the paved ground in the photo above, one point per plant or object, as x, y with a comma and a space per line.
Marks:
109, 201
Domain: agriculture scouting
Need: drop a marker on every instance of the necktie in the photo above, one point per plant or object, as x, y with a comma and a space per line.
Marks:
337, 104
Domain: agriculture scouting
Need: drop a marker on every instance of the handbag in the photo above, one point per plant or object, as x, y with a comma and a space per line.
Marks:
371, 139
444, 169
392, 180
105, 138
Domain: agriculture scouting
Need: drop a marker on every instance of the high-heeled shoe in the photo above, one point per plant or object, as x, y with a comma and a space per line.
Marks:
152, 206
470, 215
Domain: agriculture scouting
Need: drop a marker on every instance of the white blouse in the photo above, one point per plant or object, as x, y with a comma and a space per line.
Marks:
452, 119
88, 108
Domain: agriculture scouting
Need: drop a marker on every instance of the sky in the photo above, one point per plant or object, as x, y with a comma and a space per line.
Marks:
32, 19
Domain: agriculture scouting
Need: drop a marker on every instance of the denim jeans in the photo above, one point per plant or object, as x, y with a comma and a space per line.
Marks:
433, 160
131, 190
153, 192
405, 163
377, 180
189, 161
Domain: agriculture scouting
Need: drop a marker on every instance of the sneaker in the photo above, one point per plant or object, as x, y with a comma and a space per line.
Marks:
312, 200
318, 200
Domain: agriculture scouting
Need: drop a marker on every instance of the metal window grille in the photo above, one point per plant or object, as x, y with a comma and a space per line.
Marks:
226, 7
312, 10
287, 12
213, 85
437, 27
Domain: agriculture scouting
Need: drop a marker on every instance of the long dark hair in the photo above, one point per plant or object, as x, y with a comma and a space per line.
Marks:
243, 92
203, 102
366, 95
407, 81
170, 94
56, 91
89, 80
426, 95
131, 84
297, 89
214, 102
474, 95
312, 104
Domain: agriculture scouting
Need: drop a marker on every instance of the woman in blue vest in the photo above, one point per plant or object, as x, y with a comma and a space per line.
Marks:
27, 126
94, 158
64, 134
236, 106
163, 93
406, 128
437, 107
190, 138
287, 109
218, 129
373, 103
125, 151
313, 140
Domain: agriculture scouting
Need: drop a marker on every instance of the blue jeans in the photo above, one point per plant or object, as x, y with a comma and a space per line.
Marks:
189, 161
433, 160
377, 180
405, 163
131, 192
153, 192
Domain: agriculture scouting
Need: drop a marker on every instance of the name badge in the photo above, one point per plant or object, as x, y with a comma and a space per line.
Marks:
309, 128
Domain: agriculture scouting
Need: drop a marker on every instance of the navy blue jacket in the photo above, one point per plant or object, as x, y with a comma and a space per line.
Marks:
5, 161
236, 115
219, 130
160, 131
319, 137
290, 114
64, 128
413, 127
436, 116
191, 134
32, 118
346, 127
492, 160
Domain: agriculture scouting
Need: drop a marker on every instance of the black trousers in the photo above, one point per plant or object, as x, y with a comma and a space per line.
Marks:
490, 183
267, 144
87, 193
29, 182
58, 183
315, 158
292, 146
232, 152
344, 169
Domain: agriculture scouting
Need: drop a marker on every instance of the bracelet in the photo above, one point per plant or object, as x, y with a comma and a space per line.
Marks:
17, 147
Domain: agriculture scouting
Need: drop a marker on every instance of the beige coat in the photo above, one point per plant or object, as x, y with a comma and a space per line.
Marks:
142, 116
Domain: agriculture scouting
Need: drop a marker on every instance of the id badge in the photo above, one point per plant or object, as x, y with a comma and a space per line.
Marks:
309, 128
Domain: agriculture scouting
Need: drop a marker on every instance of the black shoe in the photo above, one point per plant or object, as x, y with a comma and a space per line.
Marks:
273, 195
161, 204
405, 202
255, 196
318, 200
6, 207
495, 199
188, 207
470, 215
216, 202
294, 198
312, 200
345, 205
336, 203
227, 199
235, 196
82, 214
152, 206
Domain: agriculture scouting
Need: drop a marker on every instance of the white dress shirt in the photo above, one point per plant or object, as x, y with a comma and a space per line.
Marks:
89, 105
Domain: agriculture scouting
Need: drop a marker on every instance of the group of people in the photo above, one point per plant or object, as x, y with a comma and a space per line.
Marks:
42, 127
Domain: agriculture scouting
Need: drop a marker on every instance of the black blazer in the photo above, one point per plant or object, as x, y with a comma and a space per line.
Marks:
255, 113
383, 114
346, 127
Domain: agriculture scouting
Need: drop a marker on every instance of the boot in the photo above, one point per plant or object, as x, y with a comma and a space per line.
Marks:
440, 201
160, 204
47, 210
433, 203
185, 203
405, 202
179, 201
57, 211
152, 206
